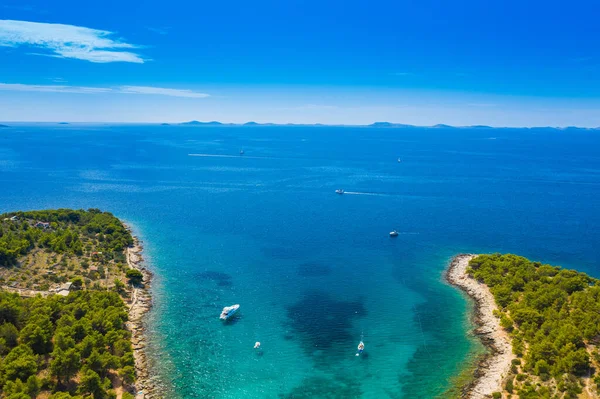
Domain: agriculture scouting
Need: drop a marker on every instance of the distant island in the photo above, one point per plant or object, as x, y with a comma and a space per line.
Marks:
540, 323
377, 125
382, 125
68, 314
198, 123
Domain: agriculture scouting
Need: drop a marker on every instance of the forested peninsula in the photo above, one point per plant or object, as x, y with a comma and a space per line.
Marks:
544, 336
66, 299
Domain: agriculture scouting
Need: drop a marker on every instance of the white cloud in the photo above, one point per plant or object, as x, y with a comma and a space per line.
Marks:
162, 91
147, 90
67, 41
54, 88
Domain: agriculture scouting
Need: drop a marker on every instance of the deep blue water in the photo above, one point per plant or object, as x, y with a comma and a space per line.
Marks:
312, 270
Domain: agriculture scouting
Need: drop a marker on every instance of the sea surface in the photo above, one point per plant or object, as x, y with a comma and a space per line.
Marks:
315, 271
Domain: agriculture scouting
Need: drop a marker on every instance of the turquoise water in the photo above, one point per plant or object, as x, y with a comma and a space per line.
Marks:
312, 270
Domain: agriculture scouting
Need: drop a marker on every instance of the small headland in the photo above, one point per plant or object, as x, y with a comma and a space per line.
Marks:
493, 366
540, 324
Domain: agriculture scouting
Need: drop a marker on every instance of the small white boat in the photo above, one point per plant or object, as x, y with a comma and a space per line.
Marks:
339, 191
393, 233
399, 160
361, 348
241, 152
228, 312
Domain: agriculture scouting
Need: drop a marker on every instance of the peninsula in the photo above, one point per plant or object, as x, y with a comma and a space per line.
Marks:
73, 293
540, 323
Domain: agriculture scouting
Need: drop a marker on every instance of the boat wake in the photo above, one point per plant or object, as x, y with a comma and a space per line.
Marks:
226, 156
365, 193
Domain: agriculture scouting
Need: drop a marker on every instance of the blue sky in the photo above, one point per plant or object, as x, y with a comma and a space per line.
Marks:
501, 63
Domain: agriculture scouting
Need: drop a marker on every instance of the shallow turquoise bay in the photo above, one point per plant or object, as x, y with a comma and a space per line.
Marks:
312, 270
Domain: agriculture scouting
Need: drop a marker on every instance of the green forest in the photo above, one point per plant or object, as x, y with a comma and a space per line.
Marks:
72, 347
67, 231
553, 317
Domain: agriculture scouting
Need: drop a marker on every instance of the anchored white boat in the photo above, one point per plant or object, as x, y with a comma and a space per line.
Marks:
339, 191
228, 312
393, 233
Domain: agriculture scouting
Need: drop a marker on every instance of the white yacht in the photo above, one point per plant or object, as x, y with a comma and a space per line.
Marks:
393, 233
229, 311
339, 191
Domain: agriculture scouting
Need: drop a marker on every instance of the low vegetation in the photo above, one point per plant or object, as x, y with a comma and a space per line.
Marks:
42, 250
553, 317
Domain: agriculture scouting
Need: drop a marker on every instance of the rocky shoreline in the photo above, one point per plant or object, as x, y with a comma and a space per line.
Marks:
146, 386
492, 367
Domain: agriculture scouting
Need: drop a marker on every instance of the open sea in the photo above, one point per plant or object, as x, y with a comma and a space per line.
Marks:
315, 271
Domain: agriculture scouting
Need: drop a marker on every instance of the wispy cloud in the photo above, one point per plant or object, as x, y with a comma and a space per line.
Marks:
482, 105
312, 107
67, 41
160, 31
22, 7
581, 59
162, 91
53, 88
147, 90
58, 80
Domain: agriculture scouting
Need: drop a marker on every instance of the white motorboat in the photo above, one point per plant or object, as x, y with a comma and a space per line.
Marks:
229, 311
393, 233
361, 348
339, 191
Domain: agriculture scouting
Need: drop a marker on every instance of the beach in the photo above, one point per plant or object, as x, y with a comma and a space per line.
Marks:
146, 386
493, 366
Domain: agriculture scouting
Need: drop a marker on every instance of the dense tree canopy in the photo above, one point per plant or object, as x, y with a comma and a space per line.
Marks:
553, 316
46, 342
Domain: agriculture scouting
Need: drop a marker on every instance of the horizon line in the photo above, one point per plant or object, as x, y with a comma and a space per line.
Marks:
380, 125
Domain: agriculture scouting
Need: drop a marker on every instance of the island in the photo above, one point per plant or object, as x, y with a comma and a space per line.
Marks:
540, 324
198, 123
73, 293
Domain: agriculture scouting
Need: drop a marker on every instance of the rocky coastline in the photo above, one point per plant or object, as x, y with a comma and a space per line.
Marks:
146, 385
492, 367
